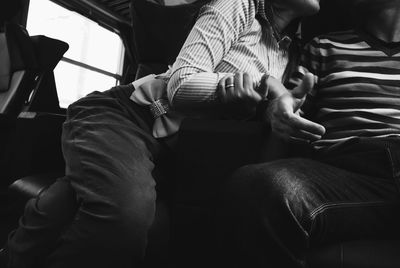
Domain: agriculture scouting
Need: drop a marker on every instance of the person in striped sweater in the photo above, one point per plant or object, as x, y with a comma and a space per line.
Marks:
349, 188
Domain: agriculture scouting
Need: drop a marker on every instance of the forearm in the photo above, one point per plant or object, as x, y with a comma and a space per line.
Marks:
187, 88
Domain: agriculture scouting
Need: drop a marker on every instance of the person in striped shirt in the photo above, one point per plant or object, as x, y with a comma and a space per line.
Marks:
113, 159
348, 188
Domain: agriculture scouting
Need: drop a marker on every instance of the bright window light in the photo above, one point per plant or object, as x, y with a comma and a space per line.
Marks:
89, 43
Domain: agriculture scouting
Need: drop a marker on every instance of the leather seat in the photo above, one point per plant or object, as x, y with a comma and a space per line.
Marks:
26, 65
17, 72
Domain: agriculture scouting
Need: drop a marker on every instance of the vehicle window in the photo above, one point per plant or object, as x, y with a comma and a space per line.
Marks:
95, 56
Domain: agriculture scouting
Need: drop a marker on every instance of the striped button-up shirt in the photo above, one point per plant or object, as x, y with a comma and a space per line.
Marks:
226, 38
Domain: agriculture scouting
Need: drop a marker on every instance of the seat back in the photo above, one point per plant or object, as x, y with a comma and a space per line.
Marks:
159, 33
18, 68
39, 124
49, 52
333, 16
27, 87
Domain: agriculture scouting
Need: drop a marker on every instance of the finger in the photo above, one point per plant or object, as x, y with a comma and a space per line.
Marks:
221, 93
298, 140
304, 135
298, 122
229, 88
305, 86
291, 132
253, 96
262, 89
249, 89
248, 84
238, 84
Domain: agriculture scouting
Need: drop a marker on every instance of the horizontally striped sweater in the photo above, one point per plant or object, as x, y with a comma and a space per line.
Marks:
358, 88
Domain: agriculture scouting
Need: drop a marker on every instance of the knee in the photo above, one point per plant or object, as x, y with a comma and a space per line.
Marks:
272, 182
137, 208
58, 202
120, 222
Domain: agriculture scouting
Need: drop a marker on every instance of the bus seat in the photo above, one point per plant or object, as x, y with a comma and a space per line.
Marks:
27, 87
160, 31
49, 52
17, 72
33, 185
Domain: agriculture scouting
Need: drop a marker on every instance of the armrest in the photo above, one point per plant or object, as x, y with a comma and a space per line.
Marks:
39, 143
209, 151
32, 186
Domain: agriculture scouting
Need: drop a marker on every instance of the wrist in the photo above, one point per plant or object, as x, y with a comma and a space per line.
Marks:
262, 87
275, 88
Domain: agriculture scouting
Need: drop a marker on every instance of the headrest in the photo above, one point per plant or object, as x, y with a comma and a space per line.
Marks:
5, 64
22, 53
16, 53
160, 31
48, 51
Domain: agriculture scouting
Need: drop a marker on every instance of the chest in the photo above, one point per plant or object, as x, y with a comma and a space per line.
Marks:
255, 51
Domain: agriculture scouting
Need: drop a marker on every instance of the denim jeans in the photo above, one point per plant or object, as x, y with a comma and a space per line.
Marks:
112, 163
271, 213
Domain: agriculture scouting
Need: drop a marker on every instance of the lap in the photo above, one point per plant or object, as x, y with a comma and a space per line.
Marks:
332, 204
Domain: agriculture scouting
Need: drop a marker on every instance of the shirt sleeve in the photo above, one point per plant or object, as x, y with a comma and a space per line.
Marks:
220, 24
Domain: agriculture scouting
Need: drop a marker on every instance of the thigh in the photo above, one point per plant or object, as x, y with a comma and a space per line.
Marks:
108, 155
330, 203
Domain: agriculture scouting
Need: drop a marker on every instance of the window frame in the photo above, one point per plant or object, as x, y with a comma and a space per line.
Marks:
108, 20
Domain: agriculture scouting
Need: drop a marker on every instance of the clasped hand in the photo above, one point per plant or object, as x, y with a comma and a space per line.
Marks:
283, 112
241, 94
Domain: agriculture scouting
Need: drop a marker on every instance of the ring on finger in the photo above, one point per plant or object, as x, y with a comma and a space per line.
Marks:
229, 85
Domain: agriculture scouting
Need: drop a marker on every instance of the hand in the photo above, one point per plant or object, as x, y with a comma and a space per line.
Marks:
239, 93
283, 114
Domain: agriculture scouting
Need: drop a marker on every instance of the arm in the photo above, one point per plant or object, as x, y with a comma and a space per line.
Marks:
220, 24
